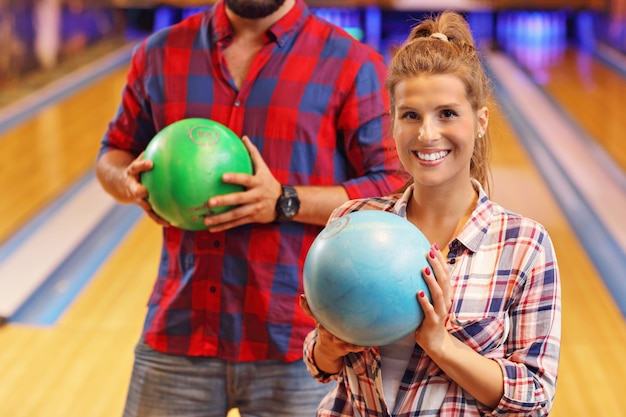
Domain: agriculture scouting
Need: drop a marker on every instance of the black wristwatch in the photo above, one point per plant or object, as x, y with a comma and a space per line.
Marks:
288, 204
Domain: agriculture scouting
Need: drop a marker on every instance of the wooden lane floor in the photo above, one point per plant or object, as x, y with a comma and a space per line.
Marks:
43, 156
594, 331
592, 94
80, 365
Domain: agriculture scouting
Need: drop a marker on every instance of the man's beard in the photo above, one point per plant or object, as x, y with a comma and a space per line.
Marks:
253, 9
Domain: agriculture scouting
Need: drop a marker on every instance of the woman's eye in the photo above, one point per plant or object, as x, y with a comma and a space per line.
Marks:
409, 115
446, 114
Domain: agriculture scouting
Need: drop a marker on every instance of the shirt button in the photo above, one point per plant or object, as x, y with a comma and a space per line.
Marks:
212, 289
216, 244
237, 103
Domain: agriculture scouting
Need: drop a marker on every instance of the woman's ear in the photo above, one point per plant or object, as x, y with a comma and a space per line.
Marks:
483, 119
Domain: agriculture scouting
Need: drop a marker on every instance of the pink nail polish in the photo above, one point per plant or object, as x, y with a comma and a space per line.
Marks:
431, 254
422, 294
427, 271
436, 246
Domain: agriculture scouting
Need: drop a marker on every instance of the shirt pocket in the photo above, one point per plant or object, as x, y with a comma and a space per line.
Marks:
484, 334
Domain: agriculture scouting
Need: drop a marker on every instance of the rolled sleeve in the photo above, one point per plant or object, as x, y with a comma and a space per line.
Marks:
369, 147
132, 127
318, 374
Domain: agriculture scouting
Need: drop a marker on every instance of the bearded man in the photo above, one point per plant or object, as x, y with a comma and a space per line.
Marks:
223, 327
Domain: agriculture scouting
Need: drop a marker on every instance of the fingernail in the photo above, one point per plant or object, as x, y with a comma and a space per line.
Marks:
432, 255
427, 271
422, 294
436, 246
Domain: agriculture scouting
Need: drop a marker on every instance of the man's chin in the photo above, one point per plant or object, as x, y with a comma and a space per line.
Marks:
253, 9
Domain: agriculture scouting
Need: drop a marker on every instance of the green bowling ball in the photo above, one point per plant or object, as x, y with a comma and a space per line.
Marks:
190, 156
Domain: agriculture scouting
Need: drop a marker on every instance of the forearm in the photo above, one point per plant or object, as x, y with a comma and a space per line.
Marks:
323, 352
320, 371
326, 361
318, 202
110, 171
476, 374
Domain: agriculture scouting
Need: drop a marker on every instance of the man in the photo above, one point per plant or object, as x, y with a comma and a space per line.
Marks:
223, 327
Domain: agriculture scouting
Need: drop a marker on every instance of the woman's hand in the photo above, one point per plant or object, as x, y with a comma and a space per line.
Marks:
431, 334
329, 350
480, 376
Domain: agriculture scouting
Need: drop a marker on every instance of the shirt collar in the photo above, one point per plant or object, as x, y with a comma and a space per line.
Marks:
475, 230
289, 24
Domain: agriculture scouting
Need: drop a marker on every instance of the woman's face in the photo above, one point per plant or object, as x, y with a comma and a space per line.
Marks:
435, 128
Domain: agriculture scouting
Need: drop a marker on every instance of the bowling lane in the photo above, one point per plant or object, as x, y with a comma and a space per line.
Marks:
80, 366
594, 330
43, 156
574, 99
589, 91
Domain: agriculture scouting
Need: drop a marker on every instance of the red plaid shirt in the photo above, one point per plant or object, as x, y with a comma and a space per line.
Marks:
314, 104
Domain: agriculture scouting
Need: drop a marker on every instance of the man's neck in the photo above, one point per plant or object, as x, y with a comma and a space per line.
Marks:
256, 27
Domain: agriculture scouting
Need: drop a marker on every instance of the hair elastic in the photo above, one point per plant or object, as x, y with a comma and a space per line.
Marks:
439, 35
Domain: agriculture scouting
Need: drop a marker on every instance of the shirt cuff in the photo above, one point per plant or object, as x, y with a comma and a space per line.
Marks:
318, 374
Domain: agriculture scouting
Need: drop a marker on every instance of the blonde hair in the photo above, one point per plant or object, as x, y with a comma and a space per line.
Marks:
444, 45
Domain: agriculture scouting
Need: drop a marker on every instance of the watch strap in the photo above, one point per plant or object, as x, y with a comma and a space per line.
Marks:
288, 193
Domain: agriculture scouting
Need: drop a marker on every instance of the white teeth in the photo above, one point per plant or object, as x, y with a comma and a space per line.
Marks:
431, 156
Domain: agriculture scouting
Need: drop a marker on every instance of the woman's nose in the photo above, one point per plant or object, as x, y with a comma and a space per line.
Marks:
428, 131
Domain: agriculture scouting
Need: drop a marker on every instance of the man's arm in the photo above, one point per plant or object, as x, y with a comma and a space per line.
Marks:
118, 172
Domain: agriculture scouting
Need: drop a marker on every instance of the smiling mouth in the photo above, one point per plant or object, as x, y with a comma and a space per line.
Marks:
435, 156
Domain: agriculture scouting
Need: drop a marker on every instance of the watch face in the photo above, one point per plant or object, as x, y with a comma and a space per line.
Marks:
290, 206
288, 203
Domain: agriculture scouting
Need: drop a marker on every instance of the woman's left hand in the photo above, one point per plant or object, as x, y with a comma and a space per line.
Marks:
431, 334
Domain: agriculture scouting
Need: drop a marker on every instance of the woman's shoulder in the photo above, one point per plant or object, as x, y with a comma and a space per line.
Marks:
384, 203
515, 224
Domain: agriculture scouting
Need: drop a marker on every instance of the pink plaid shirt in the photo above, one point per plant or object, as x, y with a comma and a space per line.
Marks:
506, 306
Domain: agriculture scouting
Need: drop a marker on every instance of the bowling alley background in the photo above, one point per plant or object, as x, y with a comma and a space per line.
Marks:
76, 268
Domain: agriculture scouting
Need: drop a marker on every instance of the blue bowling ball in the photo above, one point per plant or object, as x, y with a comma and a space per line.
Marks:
362, 274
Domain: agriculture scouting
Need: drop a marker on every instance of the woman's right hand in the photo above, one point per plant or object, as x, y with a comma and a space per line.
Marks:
329, 350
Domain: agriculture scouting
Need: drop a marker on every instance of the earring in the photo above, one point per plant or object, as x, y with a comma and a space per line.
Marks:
480, 135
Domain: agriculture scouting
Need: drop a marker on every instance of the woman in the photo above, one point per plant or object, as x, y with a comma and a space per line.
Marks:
489, 342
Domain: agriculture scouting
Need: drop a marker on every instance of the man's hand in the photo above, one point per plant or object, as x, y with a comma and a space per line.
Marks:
257, 204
